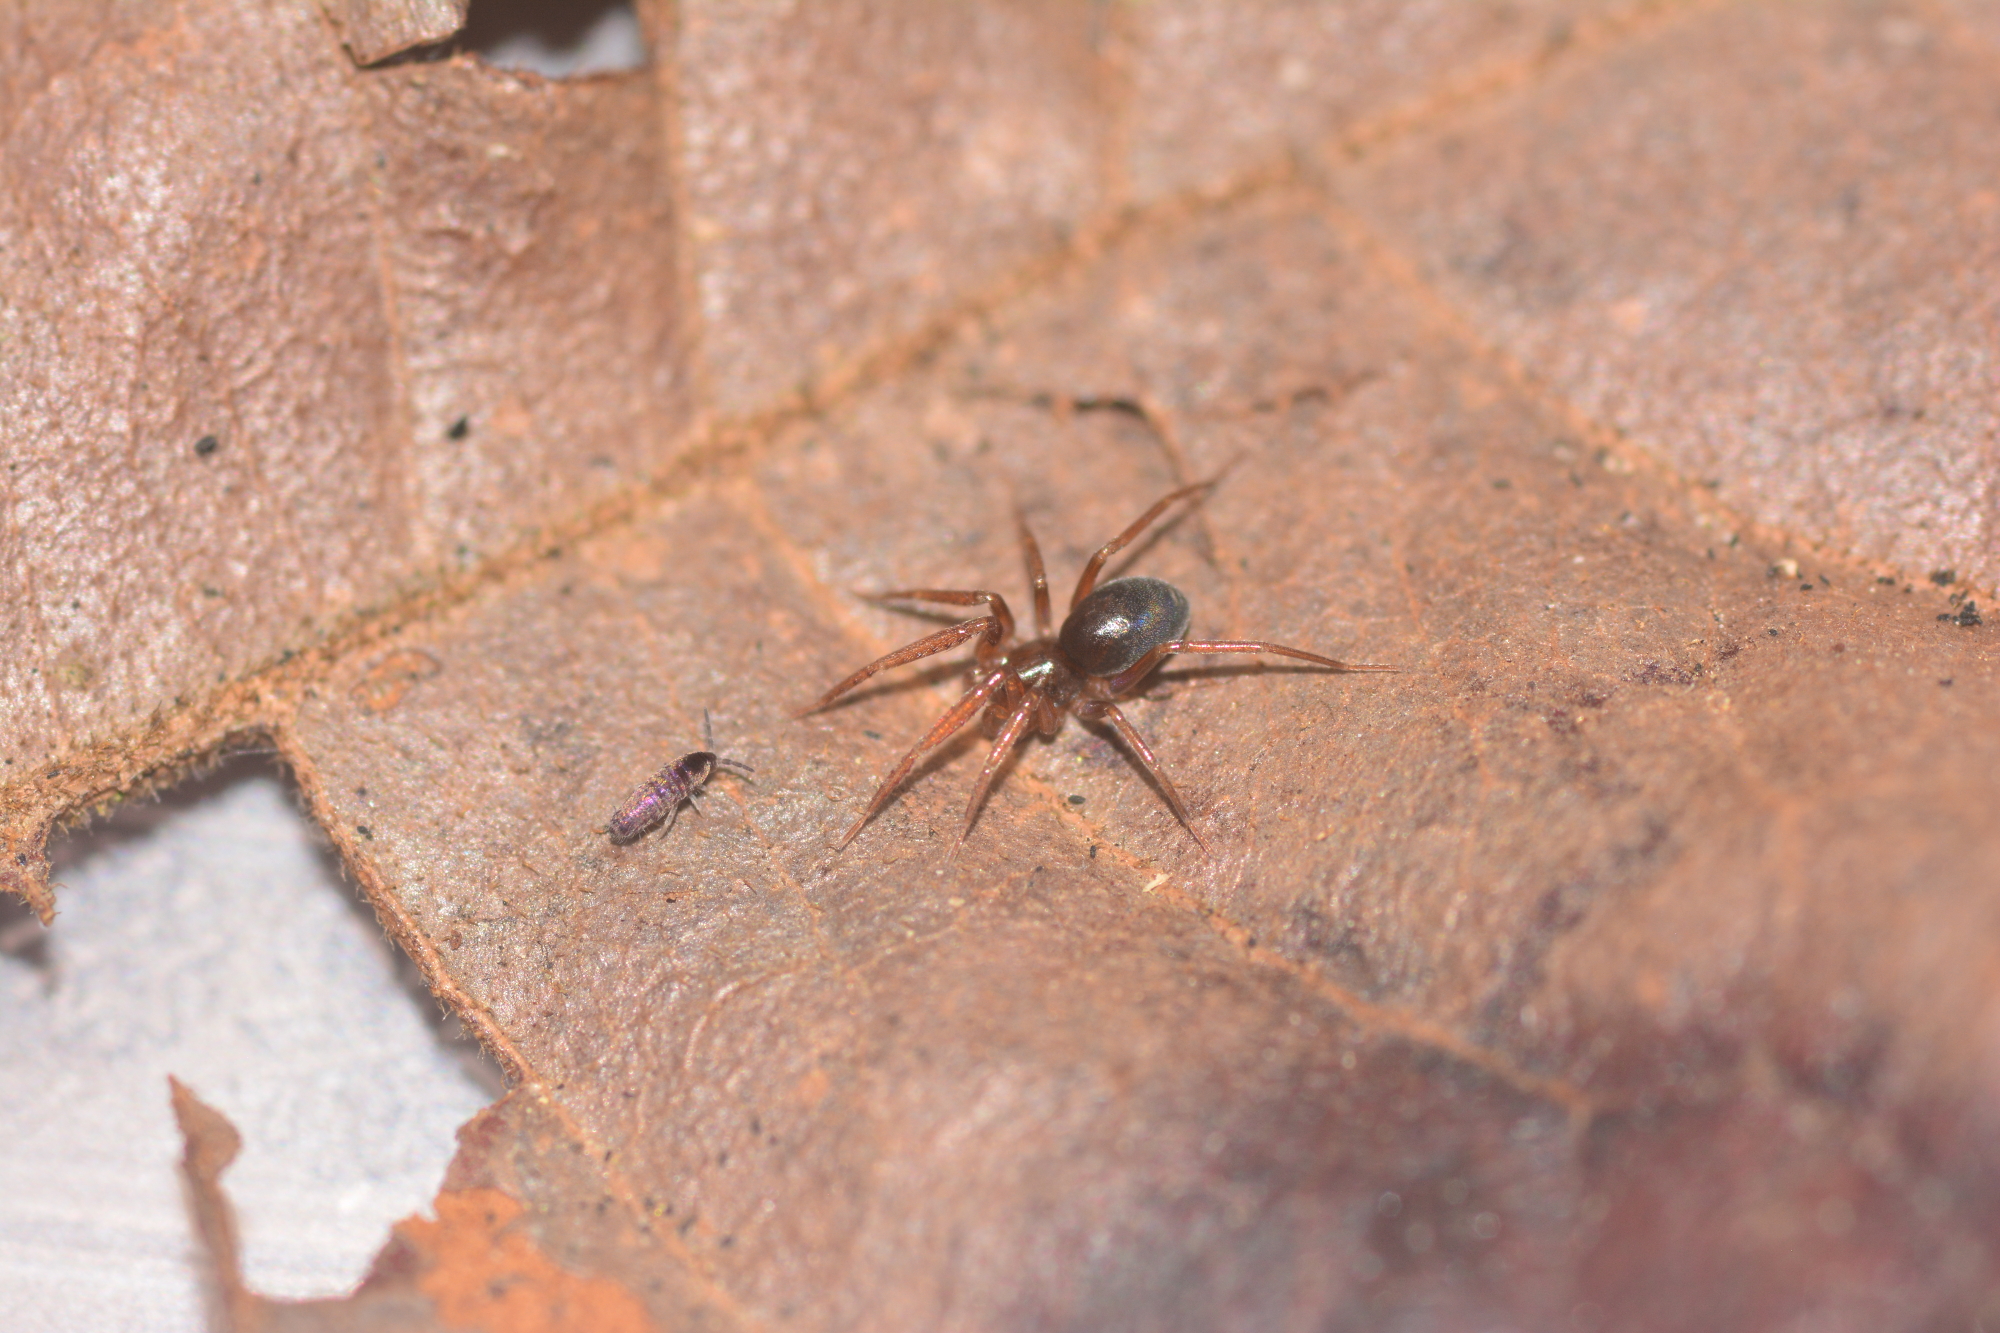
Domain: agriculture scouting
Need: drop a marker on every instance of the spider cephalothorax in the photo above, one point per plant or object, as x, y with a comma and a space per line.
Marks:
1112, 639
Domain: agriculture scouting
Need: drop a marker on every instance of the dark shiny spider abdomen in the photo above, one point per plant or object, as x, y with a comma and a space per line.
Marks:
1111, 640
1121, 622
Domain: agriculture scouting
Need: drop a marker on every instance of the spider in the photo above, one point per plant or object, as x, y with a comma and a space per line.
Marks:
1113, 638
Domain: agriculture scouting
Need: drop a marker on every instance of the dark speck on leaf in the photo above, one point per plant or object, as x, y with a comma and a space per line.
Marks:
365, 831
459, 429
871, 735
1773, 633
206, 445
1076, 800
1946, 682
1944, 578
1805, 587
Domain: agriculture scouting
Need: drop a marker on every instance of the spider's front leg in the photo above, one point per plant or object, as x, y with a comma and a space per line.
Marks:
959, 714
945, 639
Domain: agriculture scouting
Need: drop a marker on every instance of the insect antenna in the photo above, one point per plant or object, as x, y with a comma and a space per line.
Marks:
736, 766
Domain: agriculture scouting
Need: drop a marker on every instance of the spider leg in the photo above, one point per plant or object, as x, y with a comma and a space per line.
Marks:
961, 713
1131, 737
1088, 579
949, 637
1038, 577
1010, 735
1113, 686
955, 597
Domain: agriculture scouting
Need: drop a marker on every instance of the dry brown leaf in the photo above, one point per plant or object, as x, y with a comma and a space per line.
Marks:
1632, 960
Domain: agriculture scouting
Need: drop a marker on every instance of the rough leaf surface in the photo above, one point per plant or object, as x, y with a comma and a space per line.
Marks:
1629, 960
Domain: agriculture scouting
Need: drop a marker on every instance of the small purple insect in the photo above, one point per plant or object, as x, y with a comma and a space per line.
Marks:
673, 784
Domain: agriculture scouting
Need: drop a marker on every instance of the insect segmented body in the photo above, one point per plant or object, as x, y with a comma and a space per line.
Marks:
1112, 639
673, 784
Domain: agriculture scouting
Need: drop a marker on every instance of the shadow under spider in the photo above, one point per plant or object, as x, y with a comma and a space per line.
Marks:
1116, 745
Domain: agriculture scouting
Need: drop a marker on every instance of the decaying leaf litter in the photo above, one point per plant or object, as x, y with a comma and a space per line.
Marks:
1633, 954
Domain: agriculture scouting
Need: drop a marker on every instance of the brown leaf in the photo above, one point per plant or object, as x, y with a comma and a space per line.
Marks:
487, 1261
1628, 960
374, 30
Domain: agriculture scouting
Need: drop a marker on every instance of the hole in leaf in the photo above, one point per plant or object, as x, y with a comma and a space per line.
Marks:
210, 935
555, 39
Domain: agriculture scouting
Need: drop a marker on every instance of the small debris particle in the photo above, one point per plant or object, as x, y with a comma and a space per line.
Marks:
365, 831
383, 686
1773, 633
206, 445
1968, 615
1787, 569
1076, 800
459, 429
1501, 483
871, 735
1805, 587
1884, 578
1946, 682
1944, 578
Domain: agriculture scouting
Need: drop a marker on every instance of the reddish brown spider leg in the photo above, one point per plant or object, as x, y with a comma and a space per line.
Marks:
956, 597
1010, 735
1088, 579
1110, 687
961, 713
944, 639
1038, 577
1100, 708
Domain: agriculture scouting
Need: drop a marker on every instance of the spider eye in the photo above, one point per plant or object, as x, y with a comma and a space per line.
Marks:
1121, 622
